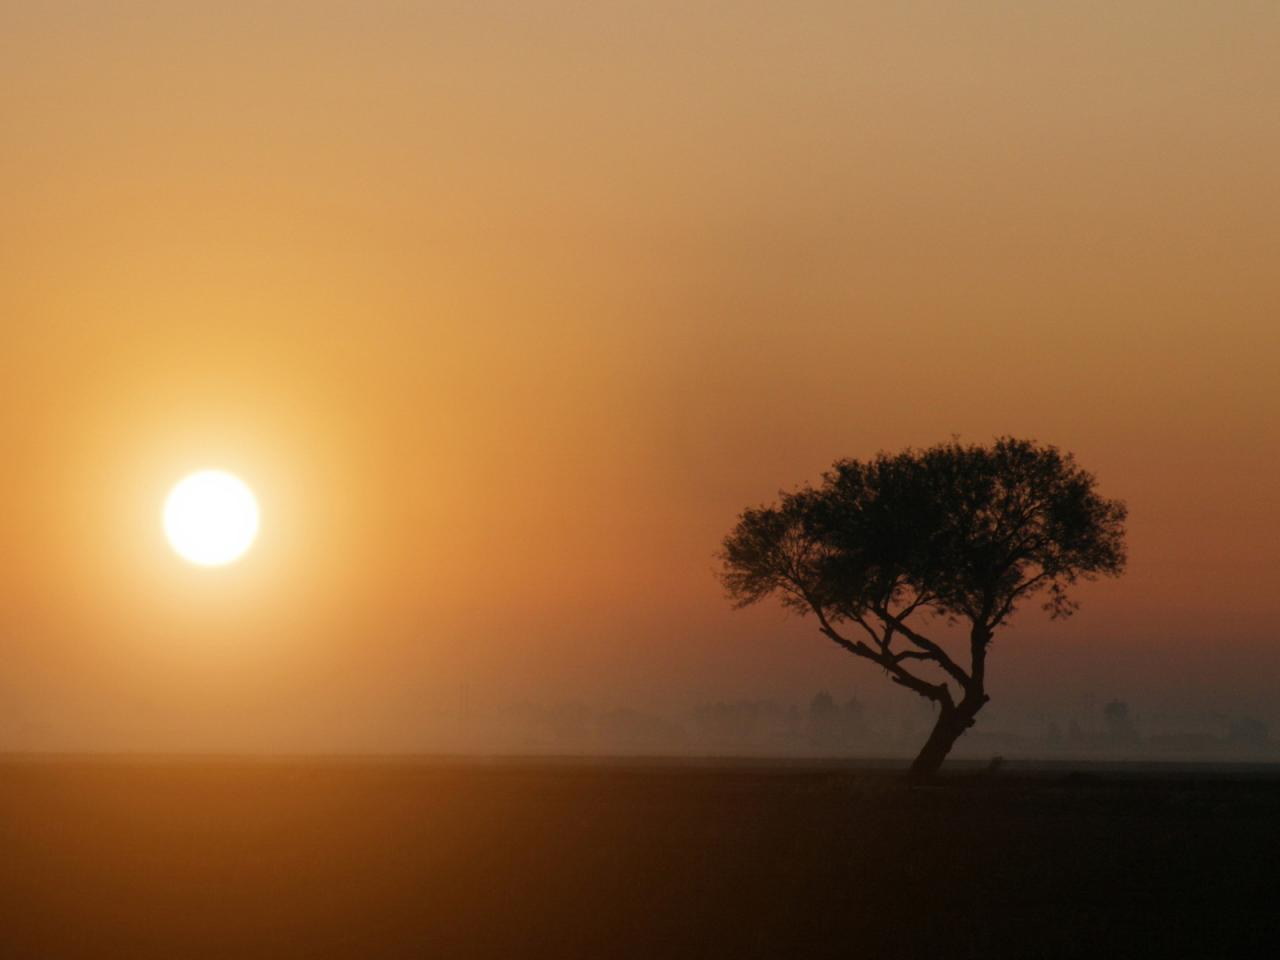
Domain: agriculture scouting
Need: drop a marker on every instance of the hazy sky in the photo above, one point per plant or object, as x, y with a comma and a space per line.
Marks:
506, 309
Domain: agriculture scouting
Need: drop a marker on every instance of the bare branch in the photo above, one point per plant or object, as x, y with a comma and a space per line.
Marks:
938, 692
936, 653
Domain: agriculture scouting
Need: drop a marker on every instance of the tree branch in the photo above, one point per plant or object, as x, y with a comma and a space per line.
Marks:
912, 655
938, 692
1014, 595
935, 652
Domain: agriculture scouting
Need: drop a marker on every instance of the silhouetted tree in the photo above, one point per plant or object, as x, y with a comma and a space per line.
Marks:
822, 708
1119, 722
1249, 731
964, 533
823, 714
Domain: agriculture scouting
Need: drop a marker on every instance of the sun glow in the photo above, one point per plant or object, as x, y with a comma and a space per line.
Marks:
211, 518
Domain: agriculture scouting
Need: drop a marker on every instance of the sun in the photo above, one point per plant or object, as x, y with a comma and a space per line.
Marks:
211, 518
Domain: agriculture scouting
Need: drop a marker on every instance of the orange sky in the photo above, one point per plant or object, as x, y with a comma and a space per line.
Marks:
506, 309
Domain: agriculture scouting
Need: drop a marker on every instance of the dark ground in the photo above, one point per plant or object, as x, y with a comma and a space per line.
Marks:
296, 859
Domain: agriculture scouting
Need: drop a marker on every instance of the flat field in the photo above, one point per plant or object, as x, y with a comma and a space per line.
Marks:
196, 858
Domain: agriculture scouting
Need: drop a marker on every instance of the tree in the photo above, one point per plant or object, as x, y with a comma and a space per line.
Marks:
963, 534
1119, 724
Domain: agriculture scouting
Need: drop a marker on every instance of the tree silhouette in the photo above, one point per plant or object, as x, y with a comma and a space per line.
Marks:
958, 533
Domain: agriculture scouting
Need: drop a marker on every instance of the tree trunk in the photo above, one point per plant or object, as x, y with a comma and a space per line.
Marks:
952, 722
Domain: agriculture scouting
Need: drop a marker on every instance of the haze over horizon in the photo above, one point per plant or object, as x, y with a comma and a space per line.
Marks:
505, 311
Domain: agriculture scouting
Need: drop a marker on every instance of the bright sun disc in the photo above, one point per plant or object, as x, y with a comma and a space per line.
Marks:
211, 518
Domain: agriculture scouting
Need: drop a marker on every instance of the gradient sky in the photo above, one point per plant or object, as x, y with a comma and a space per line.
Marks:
506, 310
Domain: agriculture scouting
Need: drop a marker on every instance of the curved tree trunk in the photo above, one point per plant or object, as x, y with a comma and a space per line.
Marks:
951, 723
